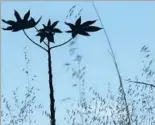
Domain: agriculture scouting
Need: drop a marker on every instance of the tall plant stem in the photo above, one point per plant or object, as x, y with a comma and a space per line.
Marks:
115, 63
52, 100
48, 50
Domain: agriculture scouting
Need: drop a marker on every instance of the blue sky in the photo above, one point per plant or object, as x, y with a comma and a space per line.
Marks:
129, 25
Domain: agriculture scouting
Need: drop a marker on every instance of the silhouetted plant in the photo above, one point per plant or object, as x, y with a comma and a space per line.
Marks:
17, 112
96, 111
121, 87
49, 32
143, 88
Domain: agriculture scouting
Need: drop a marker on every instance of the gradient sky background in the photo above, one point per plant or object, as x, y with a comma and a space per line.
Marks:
129, 25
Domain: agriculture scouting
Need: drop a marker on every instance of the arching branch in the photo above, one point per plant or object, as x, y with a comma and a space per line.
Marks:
61, 44
34, 41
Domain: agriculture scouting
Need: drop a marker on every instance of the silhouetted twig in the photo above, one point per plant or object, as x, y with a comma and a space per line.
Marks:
143, 83
34, 41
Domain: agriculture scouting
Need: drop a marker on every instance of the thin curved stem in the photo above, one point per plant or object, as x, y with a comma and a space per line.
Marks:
115, 62
34, 41
143, 83
43, 41
61, 44
36, 28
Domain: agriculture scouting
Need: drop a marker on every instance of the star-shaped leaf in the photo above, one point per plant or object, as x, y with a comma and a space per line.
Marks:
26, 16
82, 29
48, 31
21, 24
18, 18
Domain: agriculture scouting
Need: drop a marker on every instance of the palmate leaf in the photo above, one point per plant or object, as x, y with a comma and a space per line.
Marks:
26, 16
21, 24
38, 20
50, 37
17, 15
84, 33
85, 24
8, 28
42, 38
49, 23
40, 33
56, 30
82, 29
51, 28
74, 34
92, 29
54, 24
78, 22
10, 22
70, 25
69, 31
44, 25
48, 31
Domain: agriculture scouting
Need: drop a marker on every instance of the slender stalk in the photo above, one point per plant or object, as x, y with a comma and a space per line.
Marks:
115, 63
52, 100
143, 83
34, 41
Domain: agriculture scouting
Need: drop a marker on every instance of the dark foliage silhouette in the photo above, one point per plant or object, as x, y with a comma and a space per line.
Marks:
21, 24
49, 32
82, 29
